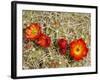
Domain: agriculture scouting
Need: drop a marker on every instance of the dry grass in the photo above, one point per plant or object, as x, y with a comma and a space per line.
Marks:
55, 24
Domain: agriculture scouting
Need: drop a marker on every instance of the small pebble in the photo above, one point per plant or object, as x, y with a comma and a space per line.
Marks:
33, 49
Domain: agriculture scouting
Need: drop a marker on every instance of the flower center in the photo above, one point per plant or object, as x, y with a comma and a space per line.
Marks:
77, 49
34, 31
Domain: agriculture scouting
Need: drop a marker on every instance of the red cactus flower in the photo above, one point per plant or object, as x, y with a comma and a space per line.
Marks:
33, 31
78, 49
62, 43
62, 51
44, 40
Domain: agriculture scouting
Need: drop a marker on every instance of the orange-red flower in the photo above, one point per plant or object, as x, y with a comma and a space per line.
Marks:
33, 31
44, 40
78, 49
